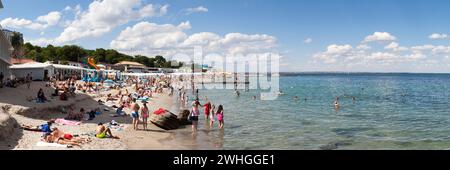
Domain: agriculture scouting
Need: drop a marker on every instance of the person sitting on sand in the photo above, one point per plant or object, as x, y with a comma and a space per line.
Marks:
41, 96
76, 116
91, 115
63, 96
46, 128
56, 93
110, 98
120, 111
104, 132
119, 94
72, 88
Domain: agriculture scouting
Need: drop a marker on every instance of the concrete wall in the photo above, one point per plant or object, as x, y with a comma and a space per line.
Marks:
4, 69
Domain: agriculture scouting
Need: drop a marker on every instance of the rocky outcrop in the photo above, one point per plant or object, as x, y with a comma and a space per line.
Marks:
9, 130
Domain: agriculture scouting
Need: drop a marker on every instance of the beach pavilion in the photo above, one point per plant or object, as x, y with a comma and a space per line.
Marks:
38, 71
66, 71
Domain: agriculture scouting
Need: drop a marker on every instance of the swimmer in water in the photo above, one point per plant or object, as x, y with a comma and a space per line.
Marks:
336, 103
254, 97
296, 97
238, 93
280, 93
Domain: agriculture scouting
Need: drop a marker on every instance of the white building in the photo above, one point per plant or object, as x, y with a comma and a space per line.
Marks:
38, 71
5, 53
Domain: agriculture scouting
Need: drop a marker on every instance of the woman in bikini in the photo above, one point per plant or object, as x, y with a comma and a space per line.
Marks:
145, 114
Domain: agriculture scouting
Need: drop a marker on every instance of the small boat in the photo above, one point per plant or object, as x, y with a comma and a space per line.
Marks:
164, 119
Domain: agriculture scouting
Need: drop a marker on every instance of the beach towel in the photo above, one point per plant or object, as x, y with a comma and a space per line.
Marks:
45, 144
143, 98
159, 111
67, 122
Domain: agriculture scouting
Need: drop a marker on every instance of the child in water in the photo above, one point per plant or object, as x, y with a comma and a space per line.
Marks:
219, 115
211, 116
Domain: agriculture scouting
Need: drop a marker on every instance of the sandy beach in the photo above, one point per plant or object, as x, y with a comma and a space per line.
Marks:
19, 111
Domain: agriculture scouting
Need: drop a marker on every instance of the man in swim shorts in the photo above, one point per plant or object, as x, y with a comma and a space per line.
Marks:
103, 132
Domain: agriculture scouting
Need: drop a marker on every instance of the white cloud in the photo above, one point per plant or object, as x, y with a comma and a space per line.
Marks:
395, 47
308, 40
41, 22
196, 10
437, 36
201, 39
335, 52
380, 36
363, 47
153, 39
51, 18
67, 8
422, 48
103, 16
41, 42
22, 23
147, 36
441, 49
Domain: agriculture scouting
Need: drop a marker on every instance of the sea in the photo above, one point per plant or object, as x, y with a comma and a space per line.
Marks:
379, 111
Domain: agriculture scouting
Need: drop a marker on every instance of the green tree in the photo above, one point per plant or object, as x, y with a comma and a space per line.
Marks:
144, 60
72, 53
17, 43
111, 56
160, 61
49, 53
32, 55
99, 54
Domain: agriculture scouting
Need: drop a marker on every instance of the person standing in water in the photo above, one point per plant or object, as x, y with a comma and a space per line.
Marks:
211, 116
219, 115
135, 114
195, 112
145, 114
207, 107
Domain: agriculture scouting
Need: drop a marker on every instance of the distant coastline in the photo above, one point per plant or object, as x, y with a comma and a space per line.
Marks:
357, 73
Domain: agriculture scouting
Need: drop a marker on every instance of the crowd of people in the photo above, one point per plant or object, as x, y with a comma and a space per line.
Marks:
132, 94
211, 112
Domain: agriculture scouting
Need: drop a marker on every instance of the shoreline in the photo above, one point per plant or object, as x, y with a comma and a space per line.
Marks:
21, 111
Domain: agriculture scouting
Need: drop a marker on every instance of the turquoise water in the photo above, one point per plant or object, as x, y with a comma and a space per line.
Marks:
391, 111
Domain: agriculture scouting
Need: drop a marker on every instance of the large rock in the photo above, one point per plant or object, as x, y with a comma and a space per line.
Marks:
166, 120
7, 125
183, 117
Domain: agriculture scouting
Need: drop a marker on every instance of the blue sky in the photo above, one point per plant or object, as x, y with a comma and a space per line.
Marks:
290, 22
